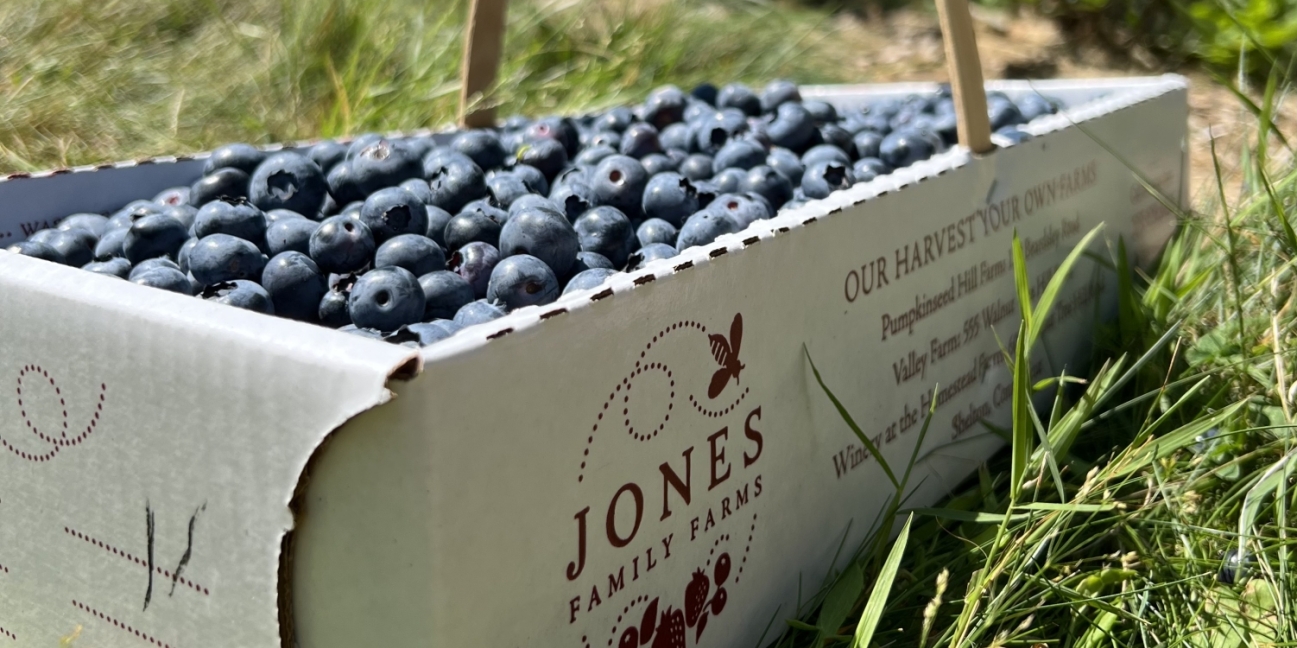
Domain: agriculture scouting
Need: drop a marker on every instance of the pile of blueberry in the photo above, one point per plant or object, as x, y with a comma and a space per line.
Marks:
407, 240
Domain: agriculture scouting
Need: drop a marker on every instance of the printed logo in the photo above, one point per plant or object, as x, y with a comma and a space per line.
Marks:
672, 517
36, 396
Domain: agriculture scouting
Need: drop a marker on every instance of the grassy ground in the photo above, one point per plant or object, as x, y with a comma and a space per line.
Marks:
1175, 452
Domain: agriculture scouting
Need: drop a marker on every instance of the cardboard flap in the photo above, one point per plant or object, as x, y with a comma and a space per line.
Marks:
149, 447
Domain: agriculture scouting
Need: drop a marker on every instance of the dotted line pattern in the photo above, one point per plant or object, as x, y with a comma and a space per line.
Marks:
751, 531
624, 611
86, 608
4, 570
135, 559
585, 641
62, 440
725, 537
662, 334
627, 382
721, 412
12, 636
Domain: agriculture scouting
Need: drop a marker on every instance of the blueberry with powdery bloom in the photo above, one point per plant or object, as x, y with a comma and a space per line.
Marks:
386, 299
384, 163
769, 184
703, 228
221, 257
96, 224
656, 230
394, 211
454, 183
342, 244
482, 225
151, 236
737, 95
670, 197
619, 181
587, 279
243, 157
544, 235
109, 245
168, 279
606, 231
793, 127
650, 253
444, 293
483, 146
522, 280
824, 178
295, 285
326, 154
474, 262
414, 252
639, 140
478, 312
288, 181
36, 250
546, 155
233, 216
240, 293
663, 107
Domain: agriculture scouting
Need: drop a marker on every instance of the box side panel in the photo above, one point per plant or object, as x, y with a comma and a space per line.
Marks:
656, 447
149, 446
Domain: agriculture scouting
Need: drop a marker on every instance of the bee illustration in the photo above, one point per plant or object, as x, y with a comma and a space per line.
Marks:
726, 353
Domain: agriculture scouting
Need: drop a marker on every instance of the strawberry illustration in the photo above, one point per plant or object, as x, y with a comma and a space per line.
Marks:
629, 639
722, 568
670, 630
718, 601
646, 624
696, 597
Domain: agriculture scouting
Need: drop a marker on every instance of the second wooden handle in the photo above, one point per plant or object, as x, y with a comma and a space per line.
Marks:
965, 68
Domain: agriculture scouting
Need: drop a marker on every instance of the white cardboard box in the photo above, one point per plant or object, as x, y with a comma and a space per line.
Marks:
183, 474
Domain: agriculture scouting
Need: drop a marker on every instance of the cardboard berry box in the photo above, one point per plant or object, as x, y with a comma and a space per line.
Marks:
179, 473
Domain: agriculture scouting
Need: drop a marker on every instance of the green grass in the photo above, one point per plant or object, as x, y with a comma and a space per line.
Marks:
88, 81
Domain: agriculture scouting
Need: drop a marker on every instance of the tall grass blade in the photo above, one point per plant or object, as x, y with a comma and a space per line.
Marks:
851, 422
882, 590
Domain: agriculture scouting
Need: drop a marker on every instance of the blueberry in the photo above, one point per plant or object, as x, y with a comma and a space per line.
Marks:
656, 163
544, 235
1014, 134
241, 294
872, 165
93, 223
478, 312
787, 163
697, 167
704, 92
826, 177
505, 188
777, 93
866, 144
792, 128
729, 180
423, 333
737, 95
707, 192
343, 185
243, 157
605, 230
664, 106
615, 120
110, 244
656, 230
1233, 567
640, 139
394, 211
165, 278
275, 215
149, 237
474, 262
219, 183
182, 256
352, 329
561, 129
455, 183
414, 252
288, 181
703, 228
713, 131
575, 198
473, 225
295, 285
670, 197
444, 293
437, 219
619, 181
533, 178
825, 153
233, 216
531, 201
137, 209
650, 253
332, 311
587, 260
37, 250
149, 264
769, 183
522, 280
483, 146
600, 138
386, 299
1003, 113
587, 279
594, 154
547, 155
677, 136
905, 147
821, 111
186, 214
326, 154
739, 154
384, 163
290, 234
418, 187
1033, 105
342, 244
172, 196
221, 257
742, 209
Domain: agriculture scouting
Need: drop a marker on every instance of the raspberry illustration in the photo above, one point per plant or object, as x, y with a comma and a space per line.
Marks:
670, 630
722, 572
696, 597
629, 639
718, 601
646, 624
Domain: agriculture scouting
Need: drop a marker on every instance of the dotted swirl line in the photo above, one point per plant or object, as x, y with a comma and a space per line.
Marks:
624, 611
119, 624
720, 412
751, 532
63, 441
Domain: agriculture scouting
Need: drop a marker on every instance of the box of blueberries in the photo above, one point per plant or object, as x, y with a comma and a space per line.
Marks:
543, 385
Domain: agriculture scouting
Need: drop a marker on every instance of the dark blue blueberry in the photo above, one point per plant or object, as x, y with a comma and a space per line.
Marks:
866, 144
352, 329
697, 167
905, 147
137, 209
327, 153
243, 157
561, 129
619, 181
423, 334
474, 262
342, 244
742, 209
606, 231
707, 192
75, 244
483, 146
149, 237
522, 280
826, 177
822, 112
533, 178
792, 128
386, 299
444, 157
547, 155
506, 188
165, 278
295, 285
594, 138
110, 244
116, 267
359, 142
649, 253
474, 225
615, 120
1003, 113
730, 180
418, 187
1014, 134
332, 311
656, 230
1033, 105
740, 153
677, 136
36, 250
233, 216
437, 219
343, 185
288, 181
149, 264
877, 166
414, 252
787, 163
768, 183
779, 92
275, 215
240, 294
385, 163
544, 235
711, 132
394, 211
420, 145
1233, 567
184, 213
221, 257
454, 183
703, 228
946, 127
575, 198
737, 95
664, 106
444, 293
704, 92
531, 201
593, 155
587, 279
656, 163
352, 210
670, 197
588, 260
182, 256
478, 312
640, 139
94, 223
825, 153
